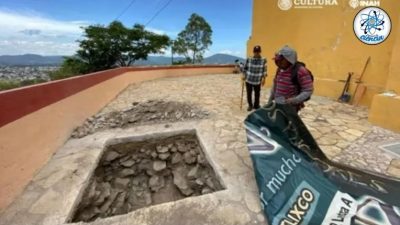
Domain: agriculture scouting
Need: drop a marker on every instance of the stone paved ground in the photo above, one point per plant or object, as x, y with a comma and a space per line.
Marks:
342, 131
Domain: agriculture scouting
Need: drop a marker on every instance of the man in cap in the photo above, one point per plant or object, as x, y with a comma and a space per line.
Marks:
255, 72
290, 88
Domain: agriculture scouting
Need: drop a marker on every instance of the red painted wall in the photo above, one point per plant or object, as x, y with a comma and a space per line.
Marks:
19, 102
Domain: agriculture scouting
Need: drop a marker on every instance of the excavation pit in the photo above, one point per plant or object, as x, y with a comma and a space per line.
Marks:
135, 174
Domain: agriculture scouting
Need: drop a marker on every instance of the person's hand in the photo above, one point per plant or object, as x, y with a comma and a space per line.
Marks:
243, 78
263, 82
290, 101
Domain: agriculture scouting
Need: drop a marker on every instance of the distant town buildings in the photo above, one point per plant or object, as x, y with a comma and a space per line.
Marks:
21, 73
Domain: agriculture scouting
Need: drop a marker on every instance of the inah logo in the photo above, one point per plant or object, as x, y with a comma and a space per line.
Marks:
363, 3
372, 25
285, 4
354, 3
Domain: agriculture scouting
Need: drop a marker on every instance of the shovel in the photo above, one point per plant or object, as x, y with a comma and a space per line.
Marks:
345, 97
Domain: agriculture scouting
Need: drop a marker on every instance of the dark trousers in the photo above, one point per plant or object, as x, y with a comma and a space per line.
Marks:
249, 90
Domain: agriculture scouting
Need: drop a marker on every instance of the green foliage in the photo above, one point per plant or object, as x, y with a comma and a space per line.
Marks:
71, 66
194, 40
10, 84
6, 84
106, 47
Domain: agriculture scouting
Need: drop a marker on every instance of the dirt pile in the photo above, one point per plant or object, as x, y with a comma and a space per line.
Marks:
153, 111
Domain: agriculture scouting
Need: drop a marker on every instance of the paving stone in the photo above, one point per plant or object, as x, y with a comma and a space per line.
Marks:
252, 202
355, 132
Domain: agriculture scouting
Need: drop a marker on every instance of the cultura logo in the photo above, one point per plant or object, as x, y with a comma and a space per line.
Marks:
363, 3
372, 25
288, 4
285, 4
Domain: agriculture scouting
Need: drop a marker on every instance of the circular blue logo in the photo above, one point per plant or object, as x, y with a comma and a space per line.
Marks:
372, 25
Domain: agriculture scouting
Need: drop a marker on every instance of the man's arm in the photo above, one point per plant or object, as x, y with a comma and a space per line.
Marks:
264, 72
306, 86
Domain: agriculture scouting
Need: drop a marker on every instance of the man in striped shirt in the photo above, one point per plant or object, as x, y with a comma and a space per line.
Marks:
284, 89
254, 73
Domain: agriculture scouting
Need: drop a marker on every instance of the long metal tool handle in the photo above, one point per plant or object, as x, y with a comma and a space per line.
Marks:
359, 79
241, 97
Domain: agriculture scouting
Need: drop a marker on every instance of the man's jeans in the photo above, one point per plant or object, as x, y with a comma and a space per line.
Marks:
249, 90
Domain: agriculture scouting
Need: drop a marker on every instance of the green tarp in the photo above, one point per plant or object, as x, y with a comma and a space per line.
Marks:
298, 184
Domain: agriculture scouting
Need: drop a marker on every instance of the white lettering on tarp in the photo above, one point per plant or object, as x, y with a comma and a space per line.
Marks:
279, 178
298, 211
342, 208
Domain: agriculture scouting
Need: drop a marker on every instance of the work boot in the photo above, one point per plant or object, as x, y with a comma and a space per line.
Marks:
256, 107
249, 108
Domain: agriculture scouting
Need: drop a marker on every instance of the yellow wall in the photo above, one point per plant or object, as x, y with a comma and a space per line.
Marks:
29, 142
385, 110
325, 41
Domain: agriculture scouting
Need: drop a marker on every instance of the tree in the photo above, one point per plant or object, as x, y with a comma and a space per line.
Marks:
112, 46
116, 45
194, 40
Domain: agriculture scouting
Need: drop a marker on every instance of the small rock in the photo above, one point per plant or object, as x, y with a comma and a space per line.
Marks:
106, 206
193, 173
178, 115
128, 163
164, 156
126, 172
173, 149
150, 172
181, 148
125, 158
154, 155
181, 183
210, 183
156, 183
201, 160
121, 183
159, 165
147, 198
189, 158
162, 149
199, 182
111, 155
176, 158
206, 190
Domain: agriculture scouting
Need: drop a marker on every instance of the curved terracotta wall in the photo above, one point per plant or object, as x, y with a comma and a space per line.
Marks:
22, 101
37, 120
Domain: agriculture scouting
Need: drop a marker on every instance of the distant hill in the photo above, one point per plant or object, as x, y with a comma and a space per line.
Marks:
30, 60
36, 60
221, 59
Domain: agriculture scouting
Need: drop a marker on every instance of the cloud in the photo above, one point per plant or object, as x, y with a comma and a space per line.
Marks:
31, 33
231, 52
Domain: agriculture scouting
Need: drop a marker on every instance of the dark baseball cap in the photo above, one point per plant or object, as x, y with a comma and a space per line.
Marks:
257, 48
